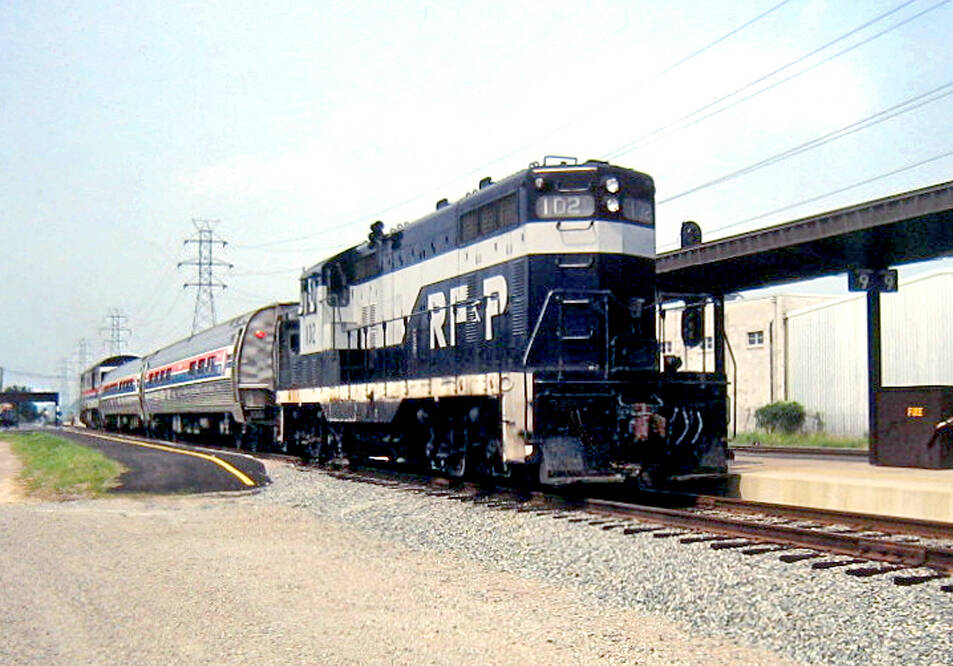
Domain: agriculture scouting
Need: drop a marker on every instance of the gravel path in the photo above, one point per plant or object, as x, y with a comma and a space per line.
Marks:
272, 578
814, 617
9, 468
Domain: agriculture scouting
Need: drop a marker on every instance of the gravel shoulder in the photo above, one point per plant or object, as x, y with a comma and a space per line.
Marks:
253, 577
10, 490
822, 617
312, 569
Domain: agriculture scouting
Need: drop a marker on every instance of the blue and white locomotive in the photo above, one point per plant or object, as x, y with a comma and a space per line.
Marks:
511, 331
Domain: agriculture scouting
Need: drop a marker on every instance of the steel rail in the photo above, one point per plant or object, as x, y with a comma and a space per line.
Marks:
854, 545
837, 543
862, 521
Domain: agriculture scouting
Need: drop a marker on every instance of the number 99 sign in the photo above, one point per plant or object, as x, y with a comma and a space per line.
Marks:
868, 279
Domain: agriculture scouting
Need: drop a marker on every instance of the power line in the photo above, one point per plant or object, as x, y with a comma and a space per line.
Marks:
164, 327
731, 33
379, 213
690, 119
162, 275
83, 353
205, 263
839, 190
254, 296
903, 107
285, 271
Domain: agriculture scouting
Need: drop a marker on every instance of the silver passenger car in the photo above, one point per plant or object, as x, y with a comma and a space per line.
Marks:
120, 402
91, 382
217, 385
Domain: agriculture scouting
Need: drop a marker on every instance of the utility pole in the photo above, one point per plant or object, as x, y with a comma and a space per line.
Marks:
115, 334
205, 264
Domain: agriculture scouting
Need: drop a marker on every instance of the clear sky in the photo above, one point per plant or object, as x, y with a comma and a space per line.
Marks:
298, 124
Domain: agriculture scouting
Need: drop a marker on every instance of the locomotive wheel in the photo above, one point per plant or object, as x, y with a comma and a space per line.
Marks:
480, 461
458, 470
489, 459
444, 457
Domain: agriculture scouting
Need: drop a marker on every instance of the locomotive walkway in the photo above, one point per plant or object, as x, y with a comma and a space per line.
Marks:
173, 468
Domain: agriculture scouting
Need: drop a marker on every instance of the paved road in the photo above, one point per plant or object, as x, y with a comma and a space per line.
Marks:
175, 468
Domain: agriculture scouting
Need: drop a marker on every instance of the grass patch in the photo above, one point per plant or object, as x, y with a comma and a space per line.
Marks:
818, 440
55, 468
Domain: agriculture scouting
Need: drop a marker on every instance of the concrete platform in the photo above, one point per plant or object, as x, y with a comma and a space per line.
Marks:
851, 484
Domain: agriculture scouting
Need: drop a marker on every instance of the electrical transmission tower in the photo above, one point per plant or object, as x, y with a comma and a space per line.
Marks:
114, 335
82, 359
205, 282
83, 354
67, 383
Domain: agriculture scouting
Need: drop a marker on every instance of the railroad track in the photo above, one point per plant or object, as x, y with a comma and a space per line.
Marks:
861, 545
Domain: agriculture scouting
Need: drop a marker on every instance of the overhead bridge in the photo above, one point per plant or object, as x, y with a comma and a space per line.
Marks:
872, 236
905, 228
20, 397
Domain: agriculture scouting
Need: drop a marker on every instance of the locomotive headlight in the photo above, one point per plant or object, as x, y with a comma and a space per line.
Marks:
612, 185
540, 183
612, 204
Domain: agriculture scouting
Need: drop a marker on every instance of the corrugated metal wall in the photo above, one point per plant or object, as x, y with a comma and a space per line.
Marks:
827, 350
827, 364
918, 332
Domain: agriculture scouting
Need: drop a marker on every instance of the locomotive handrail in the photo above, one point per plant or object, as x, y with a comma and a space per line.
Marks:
604, 293
539, 322
472, 302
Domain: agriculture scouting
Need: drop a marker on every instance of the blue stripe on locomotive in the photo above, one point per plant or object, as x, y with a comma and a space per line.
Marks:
529, 280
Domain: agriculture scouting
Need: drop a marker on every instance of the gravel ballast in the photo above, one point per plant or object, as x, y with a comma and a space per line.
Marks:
239, 579
813, 617
313, 569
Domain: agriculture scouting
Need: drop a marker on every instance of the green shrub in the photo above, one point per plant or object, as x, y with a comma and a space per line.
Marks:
784, 416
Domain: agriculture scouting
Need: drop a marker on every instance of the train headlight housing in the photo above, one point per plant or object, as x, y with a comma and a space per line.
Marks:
540, 183
612, 185
612, 204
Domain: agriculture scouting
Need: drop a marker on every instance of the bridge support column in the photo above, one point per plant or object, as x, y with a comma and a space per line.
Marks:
718, 334
874, 381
